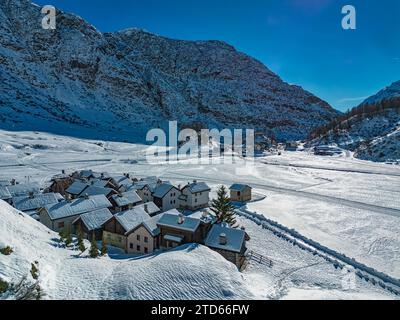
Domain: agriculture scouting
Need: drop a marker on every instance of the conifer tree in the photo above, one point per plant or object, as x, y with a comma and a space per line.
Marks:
223, 208
94, 252
81, 244
68, 237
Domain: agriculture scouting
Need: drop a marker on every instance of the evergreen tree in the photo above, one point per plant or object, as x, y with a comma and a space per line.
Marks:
223, 208
68, 237
94, 252
81, 244
103, 247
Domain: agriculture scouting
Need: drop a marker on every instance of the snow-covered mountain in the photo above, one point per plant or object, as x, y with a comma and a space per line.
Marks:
78, 81
371, 130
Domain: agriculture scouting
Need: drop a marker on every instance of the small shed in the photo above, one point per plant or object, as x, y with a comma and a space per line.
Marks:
229, 242
240, 192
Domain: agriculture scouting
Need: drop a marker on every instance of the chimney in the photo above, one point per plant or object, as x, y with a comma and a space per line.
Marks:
181, 219
13, 182
31, 195
222, 239
63, 171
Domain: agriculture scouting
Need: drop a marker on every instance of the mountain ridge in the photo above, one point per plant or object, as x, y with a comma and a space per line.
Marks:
77, 80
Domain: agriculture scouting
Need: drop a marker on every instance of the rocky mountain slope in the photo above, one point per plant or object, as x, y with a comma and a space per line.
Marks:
78, 81
371, 130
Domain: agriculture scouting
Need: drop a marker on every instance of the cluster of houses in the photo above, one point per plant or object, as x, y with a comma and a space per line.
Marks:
138, 216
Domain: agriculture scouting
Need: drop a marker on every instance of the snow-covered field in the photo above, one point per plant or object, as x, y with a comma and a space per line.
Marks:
348, 205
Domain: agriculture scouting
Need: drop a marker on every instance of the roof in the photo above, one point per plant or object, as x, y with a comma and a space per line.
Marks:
196, 187
86, 173
239, 187
99, 183
150, 207
162, 189
4, 183
4, 193
172, 221
94, 220
130, 219
78, 206
151, 224
173, 238
23, 189
235, 238
76, 188
93, 190
26, 203
126, 198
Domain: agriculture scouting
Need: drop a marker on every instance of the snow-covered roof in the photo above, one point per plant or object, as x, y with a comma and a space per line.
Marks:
86, 173
93, 190
27, 203
239, 187
173, 238
234, 238
162, 189
126, 198
94, 220
78, 206
172, 220
130, 219
99, 183
196, 187
4, 183
4, 193
150, 207
151, 224
76, 188
23, 189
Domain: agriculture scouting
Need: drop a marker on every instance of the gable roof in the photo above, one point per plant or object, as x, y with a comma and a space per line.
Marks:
27, 203
150, 207
195, 187
126, 198
130, 219
172, 221
23, 189
151, 224
77, 188
162, 189
235, 238
78, 206
93, 190
4, 193
239, 187
94, 220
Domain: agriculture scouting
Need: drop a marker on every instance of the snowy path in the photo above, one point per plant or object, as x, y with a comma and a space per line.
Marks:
306, 166
315, 196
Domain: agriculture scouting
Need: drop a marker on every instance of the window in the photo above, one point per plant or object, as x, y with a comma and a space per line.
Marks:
131, 246
137, 248
61, 224
195, 200
238, 193
146, 239
146, 250
138, 237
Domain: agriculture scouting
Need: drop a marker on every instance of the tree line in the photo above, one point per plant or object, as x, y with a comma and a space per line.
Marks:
354, 115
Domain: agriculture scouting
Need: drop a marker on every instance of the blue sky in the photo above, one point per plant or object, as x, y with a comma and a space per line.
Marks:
301, 40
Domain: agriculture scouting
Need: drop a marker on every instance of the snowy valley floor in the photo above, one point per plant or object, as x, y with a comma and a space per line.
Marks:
348, 205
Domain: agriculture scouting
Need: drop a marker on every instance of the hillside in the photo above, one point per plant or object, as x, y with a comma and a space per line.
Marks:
78, 81
371, 130
190, 272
